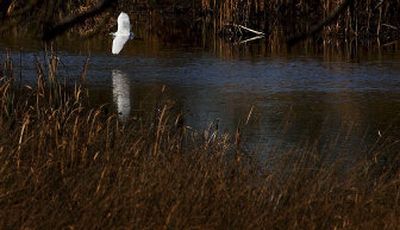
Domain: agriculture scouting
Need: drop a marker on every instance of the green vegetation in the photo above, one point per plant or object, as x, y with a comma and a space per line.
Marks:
64, 164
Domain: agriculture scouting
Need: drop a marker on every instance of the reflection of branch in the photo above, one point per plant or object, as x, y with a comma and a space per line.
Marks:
315, 29
251, 39
53, 31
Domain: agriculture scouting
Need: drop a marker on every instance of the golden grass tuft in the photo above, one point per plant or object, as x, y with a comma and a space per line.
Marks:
66, 165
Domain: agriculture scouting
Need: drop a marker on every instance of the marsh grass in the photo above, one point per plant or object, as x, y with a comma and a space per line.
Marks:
66, 165
364, 18
363, 21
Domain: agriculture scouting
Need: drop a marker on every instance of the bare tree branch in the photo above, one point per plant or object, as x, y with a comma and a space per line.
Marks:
4, 7
52, 31
315, 29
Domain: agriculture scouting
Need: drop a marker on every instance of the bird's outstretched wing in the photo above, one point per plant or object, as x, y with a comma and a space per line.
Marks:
124, 25
118, 43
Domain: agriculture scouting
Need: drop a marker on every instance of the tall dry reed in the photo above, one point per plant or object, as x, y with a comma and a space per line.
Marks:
364, 20
66, 165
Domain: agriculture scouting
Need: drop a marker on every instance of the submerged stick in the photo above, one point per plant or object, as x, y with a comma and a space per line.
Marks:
248, 29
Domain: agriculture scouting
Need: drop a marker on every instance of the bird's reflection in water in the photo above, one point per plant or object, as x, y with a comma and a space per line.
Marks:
121, 93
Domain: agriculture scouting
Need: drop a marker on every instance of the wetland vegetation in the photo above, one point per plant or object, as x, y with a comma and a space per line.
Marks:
67, 161
327, 21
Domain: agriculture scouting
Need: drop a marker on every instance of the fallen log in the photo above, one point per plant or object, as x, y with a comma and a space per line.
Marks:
239, 33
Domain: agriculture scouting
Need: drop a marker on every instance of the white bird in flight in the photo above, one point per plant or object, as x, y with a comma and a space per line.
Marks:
123, 33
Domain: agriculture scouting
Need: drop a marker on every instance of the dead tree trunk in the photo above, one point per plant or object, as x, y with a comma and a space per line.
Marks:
317, 28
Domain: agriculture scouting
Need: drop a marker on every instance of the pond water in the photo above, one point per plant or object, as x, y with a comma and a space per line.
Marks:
293, 98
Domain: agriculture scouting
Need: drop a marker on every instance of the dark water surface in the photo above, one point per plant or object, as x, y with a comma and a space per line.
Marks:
294, 98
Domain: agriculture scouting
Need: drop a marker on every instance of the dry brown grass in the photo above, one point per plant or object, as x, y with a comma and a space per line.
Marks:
66, 165
364, 20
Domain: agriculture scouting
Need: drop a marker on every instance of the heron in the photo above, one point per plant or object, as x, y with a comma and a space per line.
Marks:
123, 33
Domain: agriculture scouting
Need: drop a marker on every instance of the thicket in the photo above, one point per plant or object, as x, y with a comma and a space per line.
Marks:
361, 19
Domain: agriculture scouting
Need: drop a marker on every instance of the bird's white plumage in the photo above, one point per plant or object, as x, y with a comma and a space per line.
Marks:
124, 25
118, 43
123, 33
